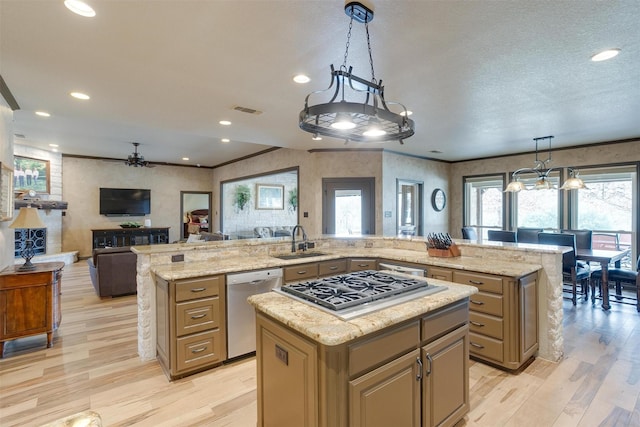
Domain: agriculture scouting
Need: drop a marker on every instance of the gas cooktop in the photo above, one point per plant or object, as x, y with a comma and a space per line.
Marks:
355, 294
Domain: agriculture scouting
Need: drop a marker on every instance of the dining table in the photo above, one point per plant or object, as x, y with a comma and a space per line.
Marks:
604, 257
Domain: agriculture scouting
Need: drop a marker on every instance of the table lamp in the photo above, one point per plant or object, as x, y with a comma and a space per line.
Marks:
27, 218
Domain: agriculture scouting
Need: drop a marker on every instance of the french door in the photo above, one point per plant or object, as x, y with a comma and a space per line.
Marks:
348, 206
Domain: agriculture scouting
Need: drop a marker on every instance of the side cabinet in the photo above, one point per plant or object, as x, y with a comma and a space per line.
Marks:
191, 331
287, 376
503, 318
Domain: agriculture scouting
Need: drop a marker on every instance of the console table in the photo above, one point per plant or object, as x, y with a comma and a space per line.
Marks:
30, 302
116, 237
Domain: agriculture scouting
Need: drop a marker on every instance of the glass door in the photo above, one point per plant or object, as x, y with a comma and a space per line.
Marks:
348, 206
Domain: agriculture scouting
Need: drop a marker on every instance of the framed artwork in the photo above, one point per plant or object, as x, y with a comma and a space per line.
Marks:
269, 196
30, 174
6, 193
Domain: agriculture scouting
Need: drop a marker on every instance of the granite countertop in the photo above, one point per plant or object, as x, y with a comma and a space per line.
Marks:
327, 329
236, 261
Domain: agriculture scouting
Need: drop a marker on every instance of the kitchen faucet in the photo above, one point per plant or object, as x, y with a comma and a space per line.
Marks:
293, 238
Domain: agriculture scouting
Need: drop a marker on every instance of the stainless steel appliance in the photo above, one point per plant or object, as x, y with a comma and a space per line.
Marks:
388, 266
241, 318
355, 294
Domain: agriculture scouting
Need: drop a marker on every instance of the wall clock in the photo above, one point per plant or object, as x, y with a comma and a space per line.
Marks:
438, 199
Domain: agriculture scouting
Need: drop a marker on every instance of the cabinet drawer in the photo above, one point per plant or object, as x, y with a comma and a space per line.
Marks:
483, 282
486, 347
359, 264
300, 272
197, 316
198, 288
444, 320
440, 273
486, 303
374, 351
198, 350
486, 325
327, 268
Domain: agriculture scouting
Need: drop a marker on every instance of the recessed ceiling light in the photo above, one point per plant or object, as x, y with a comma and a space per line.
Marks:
53, 145
301, 78
185, 159
42, 114
80, 95
225, 140
80, 7
224, 122
408, 113
605, 54
55, 150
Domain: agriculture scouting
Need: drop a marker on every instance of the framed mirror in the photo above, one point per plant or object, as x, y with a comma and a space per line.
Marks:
6, 193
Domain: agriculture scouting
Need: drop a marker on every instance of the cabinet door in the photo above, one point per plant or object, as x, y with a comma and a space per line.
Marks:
287, 368
26, 311
387, 396
446, 379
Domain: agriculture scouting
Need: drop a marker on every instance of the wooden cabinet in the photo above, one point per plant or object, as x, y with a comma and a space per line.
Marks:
313, 270
287, 378
191, 332
382, 379
503, 317
445, 383
117, 237
30, 302
359, 264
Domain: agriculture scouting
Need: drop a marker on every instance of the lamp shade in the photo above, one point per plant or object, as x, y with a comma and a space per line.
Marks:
514, 187
28, 218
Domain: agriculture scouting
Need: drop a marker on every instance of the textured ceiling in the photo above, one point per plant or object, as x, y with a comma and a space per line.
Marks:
483, 78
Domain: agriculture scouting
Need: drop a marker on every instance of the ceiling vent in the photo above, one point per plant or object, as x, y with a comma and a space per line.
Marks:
247, 110
19, 135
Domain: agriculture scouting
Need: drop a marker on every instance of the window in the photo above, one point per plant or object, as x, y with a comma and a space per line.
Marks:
483, 203
607, 207
537, 208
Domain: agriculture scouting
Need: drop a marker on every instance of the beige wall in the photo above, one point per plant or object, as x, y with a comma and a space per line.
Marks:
433, 174
575, 157
82, 179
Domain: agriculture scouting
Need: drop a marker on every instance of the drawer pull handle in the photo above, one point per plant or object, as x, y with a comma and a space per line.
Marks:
363, 265
476, 323
430, 360
477, 302
198, 289
198, 350
475, 282
302, 272
476, 345
198, 316
333, 267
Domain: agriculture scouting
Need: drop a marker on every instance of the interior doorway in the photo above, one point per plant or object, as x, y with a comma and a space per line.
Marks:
409, 207
198, 202
348, 206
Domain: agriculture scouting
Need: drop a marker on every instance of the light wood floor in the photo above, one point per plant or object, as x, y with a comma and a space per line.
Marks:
93, 365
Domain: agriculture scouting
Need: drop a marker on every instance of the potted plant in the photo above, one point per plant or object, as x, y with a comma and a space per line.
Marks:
241, 196
293, 199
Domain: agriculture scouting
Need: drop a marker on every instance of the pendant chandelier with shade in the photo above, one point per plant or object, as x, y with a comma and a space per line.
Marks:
542, 170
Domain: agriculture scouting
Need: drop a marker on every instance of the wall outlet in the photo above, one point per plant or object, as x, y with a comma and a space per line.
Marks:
368, 245
177, 258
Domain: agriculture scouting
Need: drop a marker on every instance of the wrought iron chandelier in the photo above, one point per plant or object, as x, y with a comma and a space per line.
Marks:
542, 170
343, 117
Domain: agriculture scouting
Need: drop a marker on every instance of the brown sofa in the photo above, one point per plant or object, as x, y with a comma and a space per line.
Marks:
113, 271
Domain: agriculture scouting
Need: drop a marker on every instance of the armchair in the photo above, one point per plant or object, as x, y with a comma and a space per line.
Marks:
113, 271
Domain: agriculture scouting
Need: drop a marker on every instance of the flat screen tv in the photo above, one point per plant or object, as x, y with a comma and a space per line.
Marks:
125, 202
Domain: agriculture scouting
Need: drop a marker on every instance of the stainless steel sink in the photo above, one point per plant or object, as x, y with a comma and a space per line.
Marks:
299, 255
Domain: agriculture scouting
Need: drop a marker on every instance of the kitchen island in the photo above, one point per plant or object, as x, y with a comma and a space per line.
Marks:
390, 367
214, 258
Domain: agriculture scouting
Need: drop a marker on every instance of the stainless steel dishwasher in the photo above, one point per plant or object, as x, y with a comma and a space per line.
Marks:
241, 317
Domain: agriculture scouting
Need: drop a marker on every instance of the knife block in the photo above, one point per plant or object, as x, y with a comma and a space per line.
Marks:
453, 251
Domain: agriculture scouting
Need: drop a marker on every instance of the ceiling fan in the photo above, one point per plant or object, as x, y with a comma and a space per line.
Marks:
136, 159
